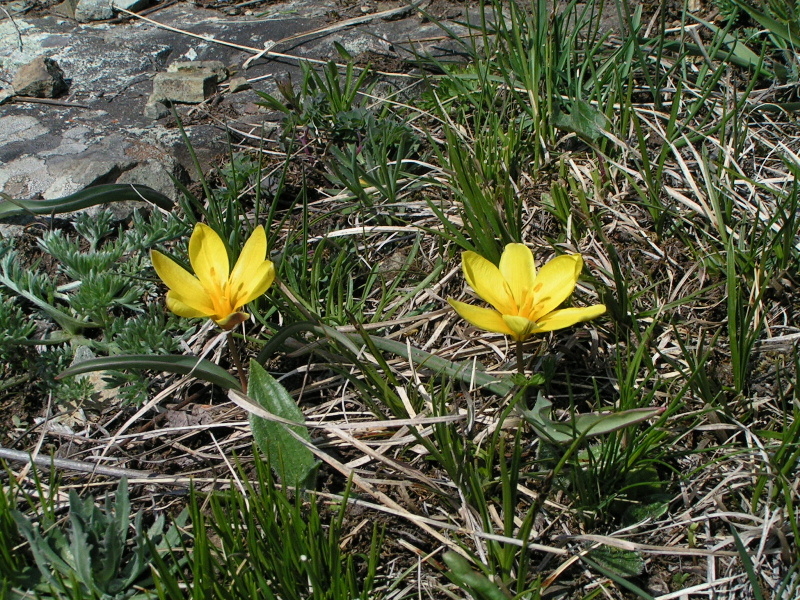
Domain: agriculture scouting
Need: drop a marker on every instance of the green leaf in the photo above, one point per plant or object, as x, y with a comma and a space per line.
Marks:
284, 450
747, 563
790, 35
463, 371
80, 548
122, 508
170, 363
67, 322
612, 574
471, 581
46, 558
589, 424
739, 54
639, 512
112, 548
99, 194
583, 119
624, 563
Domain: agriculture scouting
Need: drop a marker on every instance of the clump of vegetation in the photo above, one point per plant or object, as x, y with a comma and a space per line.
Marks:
617, 403
92, 288
98, 554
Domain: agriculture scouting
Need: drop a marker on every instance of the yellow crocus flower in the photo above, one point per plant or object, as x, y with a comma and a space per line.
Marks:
524, 302
216, 291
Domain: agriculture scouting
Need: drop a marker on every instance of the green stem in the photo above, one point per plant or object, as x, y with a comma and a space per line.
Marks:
237, 362
520, 361
353, 341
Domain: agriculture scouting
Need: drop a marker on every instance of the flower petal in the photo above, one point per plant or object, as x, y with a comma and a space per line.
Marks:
176, 303
566, 317
183, 284
209, 260
255, 286
252, 274
251, 256
554, 283
232, 320
519, 271
483, 318
488, 283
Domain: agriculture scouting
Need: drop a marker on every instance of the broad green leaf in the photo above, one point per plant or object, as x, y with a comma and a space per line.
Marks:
113, 545
183, 365
287, 454
99, 194
737, 54
80, 549
637, 513
589, 424
583, 119
624, 563
747, 563
46, 558
779, 107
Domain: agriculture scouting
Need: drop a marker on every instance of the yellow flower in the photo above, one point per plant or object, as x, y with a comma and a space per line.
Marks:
216, 292
524, 302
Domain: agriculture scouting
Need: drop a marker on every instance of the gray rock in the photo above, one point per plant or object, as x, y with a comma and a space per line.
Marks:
48, 151
158, 173
100, 10
190, 88
6, 95
85, 170
155, 110
93, 10
10, 231
198, 67
40, 78
131, 5
238, 84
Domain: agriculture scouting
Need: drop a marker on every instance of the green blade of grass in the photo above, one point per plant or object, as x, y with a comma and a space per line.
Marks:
775, 27
182, 365
591, 424
621, 581
461, 371
100, 194
747, 563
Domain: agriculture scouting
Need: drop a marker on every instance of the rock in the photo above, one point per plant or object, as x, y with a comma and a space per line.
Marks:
48, 151
191, 88
155, 110
198, 67
85, 170
93, 10
131, 5
160, 173
6, 95
238, 84
100, 10
65, 9
40, 78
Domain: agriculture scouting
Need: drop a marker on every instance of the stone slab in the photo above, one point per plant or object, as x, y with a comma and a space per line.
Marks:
214, 67
188, 87
99, 133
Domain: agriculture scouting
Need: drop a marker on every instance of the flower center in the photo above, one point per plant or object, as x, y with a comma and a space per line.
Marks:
528, 306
